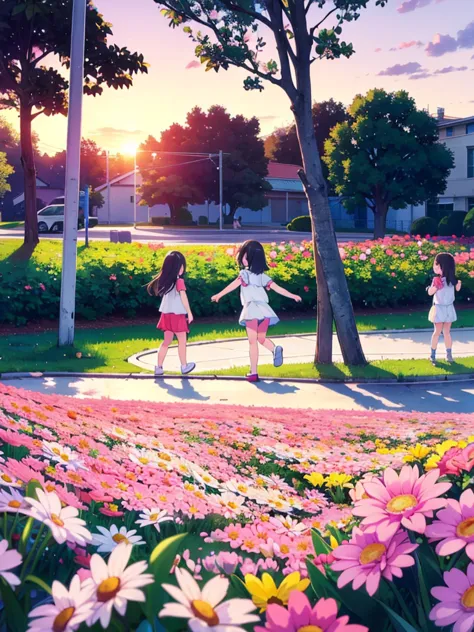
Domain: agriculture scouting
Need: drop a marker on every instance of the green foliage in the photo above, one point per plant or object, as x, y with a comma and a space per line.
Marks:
203, 220
300, 224
424, 226
6, 170
452, 224
468, 226
183, 217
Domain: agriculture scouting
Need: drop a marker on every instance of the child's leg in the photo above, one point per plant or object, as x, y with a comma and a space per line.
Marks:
252, 334
438, 327
168, 339
182, 337
448, 343
262, 335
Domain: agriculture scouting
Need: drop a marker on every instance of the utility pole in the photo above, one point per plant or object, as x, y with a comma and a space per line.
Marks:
135, 189
73, 165
107, 178
221, 189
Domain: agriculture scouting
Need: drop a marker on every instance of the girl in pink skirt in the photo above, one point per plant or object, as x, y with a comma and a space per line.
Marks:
176, 315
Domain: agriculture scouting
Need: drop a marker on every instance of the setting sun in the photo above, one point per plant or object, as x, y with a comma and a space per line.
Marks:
129, 148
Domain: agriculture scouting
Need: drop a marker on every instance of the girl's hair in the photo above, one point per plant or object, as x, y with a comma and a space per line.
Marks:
166, 280
448, 267
255, 256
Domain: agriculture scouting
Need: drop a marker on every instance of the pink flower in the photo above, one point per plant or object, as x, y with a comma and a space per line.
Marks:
456, 460
363, 256
454, 526
342, 253
373, 261
406, 498
28, 288
306, 254
370, 556
456, 600
300, 615
306, 288
42, 286
393, 274
113, 277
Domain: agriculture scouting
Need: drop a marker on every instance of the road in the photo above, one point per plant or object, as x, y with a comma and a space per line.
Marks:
190, 236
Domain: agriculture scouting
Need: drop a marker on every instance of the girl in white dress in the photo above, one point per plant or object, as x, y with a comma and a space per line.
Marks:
442, 313
257, 315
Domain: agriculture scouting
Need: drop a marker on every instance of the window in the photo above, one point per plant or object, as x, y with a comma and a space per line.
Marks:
52, 211
470, 128
470, 162
470, 203
438, 210
131, 199
449, 131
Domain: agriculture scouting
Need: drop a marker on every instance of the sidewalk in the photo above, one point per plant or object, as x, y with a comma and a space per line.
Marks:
225, 354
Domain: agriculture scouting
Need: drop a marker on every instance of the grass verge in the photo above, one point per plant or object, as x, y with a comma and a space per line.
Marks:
8, 225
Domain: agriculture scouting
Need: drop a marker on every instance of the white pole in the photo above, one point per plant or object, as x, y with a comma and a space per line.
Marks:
221, 189
107, 178
73, 164
135, 189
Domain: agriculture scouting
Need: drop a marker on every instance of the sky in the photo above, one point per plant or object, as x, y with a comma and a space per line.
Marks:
423, 46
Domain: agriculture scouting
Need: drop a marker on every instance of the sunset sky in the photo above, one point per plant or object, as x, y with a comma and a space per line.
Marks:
424, 46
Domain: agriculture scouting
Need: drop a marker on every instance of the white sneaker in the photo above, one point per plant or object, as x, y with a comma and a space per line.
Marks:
159, 371
187, 368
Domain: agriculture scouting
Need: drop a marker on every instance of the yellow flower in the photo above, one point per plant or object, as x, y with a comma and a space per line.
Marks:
264, 591
315, 478
333, 542
417, 453
432, 462
339, 480
442, 448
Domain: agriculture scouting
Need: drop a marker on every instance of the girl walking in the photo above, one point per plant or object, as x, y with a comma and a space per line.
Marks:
442, 314
257, 315
175, 311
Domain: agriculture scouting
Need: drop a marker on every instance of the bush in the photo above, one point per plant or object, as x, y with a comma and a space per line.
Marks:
203, 220
183, 217
468, 224
424, 226
300, 224
452, 224
160, 221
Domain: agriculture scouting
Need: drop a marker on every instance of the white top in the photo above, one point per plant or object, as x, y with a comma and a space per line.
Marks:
171, 302
253, 287
445, 295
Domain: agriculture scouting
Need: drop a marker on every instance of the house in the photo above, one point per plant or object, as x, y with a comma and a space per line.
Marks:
13, 207
458, 135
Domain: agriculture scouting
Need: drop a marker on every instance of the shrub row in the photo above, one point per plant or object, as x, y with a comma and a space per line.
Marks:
457, 224
111, 278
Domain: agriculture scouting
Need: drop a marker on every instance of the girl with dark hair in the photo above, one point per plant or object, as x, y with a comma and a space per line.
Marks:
257, 315
174, 308
442, 314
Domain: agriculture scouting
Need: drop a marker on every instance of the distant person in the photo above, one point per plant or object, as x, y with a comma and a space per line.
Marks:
176, 315
442, 314
257, 315
237, 223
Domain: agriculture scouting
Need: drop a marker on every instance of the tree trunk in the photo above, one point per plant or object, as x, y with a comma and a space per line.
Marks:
380, 220
323, 353
323, 231
29, 177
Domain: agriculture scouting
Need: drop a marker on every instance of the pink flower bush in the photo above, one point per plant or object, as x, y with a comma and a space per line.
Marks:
301, 616
369, 556
406, 498
456, 601
454, 526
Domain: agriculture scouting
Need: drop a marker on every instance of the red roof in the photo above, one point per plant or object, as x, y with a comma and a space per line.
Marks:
279, 170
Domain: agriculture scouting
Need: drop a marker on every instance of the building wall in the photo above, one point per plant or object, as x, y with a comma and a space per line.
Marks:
460, 188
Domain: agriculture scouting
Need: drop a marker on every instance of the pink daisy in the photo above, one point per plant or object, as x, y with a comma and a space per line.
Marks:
406, 498
454, 526
370, 556
456, 601
300, 615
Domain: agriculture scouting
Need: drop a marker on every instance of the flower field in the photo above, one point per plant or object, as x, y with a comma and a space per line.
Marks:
126, 516
111, 277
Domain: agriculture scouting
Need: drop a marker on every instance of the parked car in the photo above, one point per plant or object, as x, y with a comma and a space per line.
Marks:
51, 219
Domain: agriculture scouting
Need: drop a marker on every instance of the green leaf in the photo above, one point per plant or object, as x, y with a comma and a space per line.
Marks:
400, 624
17, 620
31, 488
19, 8
238, 587
39, 582
319, 543
25, 535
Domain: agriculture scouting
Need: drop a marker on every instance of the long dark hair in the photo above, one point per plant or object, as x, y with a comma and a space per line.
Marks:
255, 256
448, 267
166, 280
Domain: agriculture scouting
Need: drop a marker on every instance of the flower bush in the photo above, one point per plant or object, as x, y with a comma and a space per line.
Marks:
111, 278
169, 517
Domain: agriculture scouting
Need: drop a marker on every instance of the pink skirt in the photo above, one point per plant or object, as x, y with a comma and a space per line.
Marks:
177, 323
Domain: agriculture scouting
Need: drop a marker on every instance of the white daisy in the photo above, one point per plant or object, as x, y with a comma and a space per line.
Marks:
63, 522
232, 504
63, 455
203, 477
241, 487
154, 516
112, 537
8, 560
69, 609
205, 610
144, 457
8, 480
13, 501
287, 524
112, 584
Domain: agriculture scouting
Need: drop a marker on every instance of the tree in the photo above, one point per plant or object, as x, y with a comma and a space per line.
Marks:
5, 171
181, 180
30, 32
387, 155
235, 35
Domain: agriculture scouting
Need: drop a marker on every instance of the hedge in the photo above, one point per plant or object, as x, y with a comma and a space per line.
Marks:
111, 278
424, 226
452, 225
300, 224
468, 224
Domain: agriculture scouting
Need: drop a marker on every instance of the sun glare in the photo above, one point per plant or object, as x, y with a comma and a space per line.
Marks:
129, 148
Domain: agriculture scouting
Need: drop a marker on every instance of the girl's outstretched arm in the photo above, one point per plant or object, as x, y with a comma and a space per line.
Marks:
281, 290
187, 307
432, 290
230, 288
458, 286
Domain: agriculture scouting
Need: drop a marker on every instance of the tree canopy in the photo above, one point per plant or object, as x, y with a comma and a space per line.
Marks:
5, 171
387, 155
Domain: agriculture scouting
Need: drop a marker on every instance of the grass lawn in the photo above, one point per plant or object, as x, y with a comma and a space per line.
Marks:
8, 225
107, 349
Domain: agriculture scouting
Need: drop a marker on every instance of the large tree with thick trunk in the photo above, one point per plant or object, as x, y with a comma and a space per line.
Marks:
32, 31
302, 31
387, 155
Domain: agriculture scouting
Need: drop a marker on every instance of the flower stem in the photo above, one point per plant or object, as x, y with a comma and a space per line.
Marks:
15, 521
39, 553
403, 605
30, 554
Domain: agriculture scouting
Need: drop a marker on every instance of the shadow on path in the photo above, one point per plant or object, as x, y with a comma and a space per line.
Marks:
185, 391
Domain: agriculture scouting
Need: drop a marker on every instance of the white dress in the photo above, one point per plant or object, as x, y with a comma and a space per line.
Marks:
443, 310
254, 298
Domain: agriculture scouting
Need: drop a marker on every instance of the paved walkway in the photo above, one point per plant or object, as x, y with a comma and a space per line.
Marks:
225, 354
447, 397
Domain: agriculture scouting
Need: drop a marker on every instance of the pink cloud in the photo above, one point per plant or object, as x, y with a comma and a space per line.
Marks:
193, 64
440, 45
411, 5
378, 50
401, 69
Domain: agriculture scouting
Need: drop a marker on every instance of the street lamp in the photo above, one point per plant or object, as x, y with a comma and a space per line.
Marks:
132, 148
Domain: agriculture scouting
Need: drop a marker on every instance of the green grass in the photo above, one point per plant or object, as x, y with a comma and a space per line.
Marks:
8, 225
107, 350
